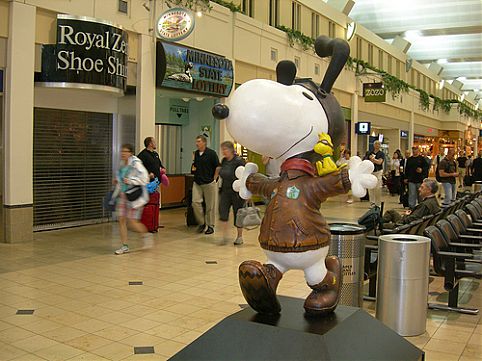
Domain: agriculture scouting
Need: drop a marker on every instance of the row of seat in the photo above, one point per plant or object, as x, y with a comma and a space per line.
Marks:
455, 246
453, 223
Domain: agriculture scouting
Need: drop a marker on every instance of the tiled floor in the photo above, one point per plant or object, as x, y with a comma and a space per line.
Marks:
85, 309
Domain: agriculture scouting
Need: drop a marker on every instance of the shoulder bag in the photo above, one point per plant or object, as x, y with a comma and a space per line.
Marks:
248, 217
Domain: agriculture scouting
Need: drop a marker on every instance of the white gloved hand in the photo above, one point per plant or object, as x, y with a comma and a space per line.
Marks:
242, 173
361, 177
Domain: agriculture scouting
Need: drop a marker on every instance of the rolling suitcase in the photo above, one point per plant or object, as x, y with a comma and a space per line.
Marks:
150, 213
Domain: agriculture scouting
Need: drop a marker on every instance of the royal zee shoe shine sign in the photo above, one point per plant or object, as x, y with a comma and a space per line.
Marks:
89, 53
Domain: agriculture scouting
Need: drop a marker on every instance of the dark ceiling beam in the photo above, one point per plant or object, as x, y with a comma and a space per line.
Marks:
437, 32
453, 60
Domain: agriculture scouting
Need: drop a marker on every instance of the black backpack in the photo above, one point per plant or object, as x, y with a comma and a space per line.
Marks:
372, 219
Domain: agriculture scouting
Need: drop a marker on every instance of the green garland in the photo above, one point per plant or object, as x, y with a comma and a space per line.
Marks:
230, 5
194, 5
424, 99
391, 83
295, 36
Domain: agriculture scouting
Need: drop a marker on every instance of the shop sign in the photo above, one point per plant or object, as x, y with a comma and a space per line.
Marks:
362, 128
1, 81
89, 53
183, 68
403, 134
175, 24
178, 112
374, 92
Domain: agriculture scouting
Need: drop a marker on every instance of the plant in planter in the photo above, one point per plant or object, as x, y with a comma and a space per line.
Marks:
194, 5
228, 4
424, 99
295, 36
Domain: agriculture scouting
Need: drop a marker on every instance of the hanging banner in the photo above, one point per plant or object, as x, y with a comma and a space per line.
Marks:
374, 92
182, 68
89, 53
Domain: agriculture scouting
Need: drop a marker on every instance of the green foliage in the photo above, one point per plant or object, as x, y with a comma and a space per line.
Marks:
391, 83
438, 103
230, 5
424, 99
194, 5
295, 36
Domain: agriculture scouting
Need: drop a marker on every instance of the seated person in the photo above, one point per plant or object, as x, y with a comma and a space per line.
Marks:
428, 206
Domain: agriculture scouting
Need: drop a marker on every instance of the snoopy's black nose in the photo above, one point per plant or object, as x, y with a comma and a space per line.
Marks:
220, 111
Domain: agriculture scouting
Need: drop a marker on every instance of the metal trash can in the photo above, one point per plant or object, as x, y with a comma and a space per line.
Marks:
402, 287
348, 244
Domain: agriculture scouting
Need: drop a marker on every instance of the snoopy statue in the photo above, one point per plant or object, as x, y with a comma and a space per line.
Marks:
284, 120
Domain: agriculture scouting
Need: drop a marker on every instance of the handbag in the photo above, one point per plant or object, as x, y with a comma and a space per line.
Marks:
248, 217
133, 193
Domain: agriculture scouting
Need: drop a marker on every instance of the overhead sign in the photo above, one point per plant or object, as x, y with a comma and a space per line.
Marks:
403, 134
183, 68
175, 24
362, 128
374, 92
89, 53
178, 112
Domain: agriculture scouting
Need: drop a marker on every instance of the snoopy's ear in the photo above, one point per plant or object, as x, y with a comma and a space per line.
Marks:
286, 72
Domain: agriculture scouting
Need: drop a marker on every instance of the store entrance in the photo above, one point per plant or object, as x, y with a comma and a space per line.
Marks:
72, 167
2, 163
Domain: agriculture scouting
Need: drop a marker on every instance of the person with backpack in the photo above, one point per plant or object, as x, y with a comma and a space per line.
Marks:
131, 195
446, 174
416, 167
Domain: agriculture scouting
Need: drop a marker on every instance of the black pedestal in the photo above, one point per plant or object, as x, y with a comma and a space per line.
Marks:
348, 334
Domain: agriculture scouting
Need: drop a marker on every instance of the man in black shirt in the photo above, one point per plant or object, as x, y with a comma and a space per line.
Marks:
461, 160
415, 169
205, 170
377, 157
150, 159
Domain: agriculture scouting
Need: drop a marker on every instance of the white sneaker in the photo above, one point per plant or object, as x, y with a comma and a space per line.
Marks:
122, 250
148, 241
238, 241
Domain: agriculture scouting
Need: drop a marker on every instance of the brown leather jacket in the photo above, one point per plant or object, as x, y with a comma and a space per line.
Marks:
293, 222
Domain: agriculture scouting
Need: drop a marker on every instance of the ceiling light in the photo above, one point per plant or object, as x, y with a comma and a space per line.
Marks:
186, 99
461, 78
199, 14
350, 30
412, 35
199, 99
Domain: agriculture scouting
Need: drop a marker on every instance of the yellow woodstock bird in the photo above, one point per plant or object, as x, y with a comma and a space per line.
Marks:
324, 147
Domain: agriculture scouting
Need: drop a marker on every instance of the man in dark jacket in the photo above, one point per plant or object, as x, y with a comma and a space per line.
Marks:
428, 206
477, 168
415, 168
150, 159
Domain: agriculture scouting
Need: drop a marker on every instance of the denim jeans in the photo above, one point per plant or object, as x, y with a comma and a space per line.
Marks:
413, 194
450, 193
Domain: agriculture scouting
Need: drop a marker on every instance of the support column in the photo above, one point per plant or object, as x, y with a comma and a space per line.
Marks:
411, 131
145, 90
18, 131
354, 120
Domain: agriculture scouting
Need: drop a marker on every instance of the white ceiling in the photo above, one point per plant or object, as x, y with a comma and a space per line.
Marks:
445, 31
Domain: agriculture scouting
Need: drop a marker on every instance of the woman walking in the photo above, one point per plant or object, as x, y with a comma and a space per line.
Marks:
228, 197
131, 196
395, 173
